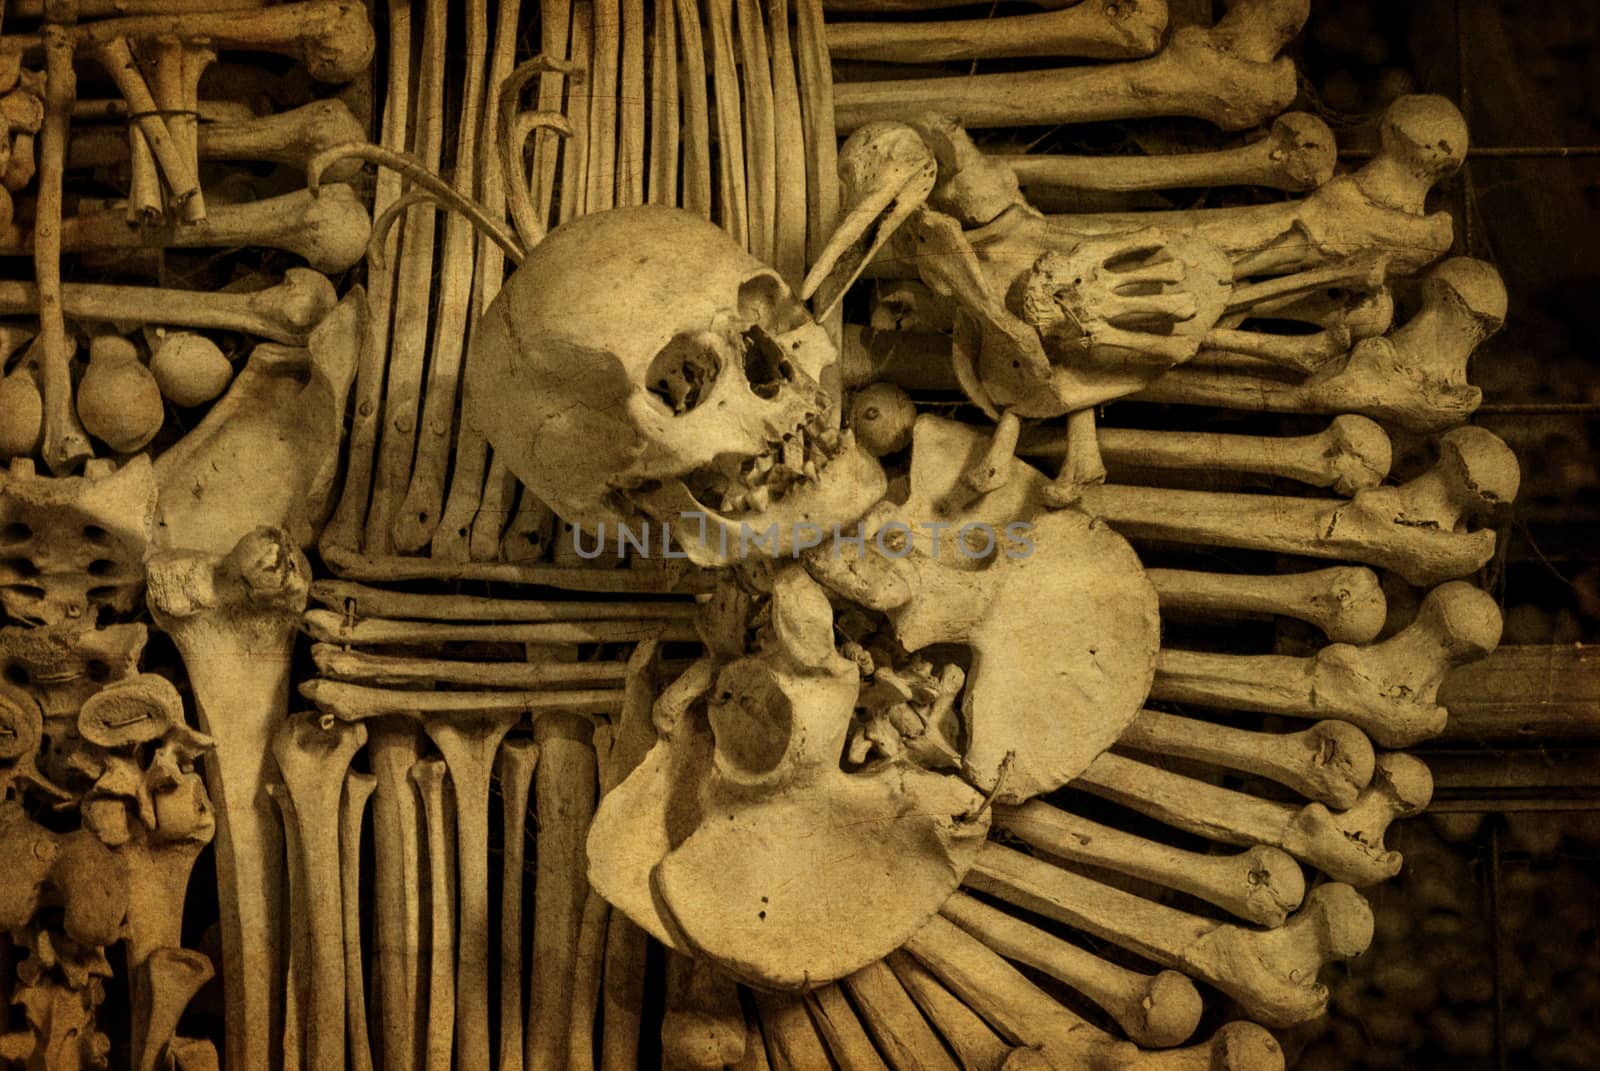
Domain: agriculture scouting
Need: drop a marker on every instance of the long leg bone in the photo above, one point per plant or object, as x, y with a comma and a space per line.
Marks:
1022, 1012
1414, 377
1350, 455
468, 746
395, 747
517, 761
564, 788
665, 122
1153, 1010
1298, 153
789, 236
1236, 1046
1347, 845
1345, 601
234, 622
329, 230
65, 441
1379, 210
337, 663
1387, 689
291, 137
904, 1037
760, 129
604, 68
976, 1046
1230, 74
359, 600
1331, 762
1093, 31
430, 776
732, 190
313, 757
1271, 973
1260, 885
1417, 529
283, 313
298, 949
358, 788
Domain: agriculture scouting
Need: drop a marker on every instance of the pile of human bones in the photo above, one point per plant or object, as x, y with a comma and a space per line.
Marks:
1098, 781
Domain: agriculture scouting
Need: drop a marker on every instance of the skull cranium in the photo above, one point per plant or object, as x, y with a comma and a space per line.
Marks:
641, 365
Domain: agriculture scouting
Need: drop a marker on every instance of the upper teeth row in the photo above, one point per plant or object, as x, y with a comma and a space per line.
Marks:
799, 456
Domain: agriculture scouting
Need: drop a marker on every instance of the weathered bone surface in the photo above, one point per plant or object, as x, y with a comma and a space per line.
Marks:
1230, 74
1346, 602
1093, 31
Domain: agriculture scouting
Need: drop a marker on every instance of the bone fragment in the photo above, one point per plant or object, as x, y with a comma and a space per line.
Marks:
1330, 762
1387, 689
1418, 529
1156, 1011
429, 775
1271, 973
1298, 153
1229, 74
904, 1037
358, 789
166, 982
1414, 377
564, 788
233, 620
1346, 845
1092, 31
116, 56
1345, 601
1023, 1013
975, 1045
468, 745
847, 1040
1261, 884
313, 758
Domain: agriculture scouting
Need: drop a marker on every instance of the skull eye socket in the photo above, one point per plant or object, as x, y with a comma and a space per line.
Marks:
765, 365
682, 374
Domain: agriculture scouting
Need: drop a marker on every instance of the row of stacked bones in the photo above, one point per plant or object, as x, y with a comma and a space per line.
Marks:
1213, 594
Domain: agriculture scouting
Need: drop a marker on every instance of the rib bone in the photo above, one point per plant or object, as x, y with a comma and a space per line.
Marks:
1229, 74
1417, 529
1387, 689
1260, 885
1345, 601
904, 1037
1271, 973
976, 1045
1298, 153
1346, 845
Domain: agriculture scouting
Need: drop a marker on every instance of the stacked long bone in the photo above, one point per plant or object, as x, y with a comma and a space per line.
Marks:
207, 482
950, 994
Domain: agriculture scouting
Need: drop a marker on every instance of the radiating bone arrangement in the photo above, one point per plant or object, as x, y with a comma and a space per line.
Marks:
670, 542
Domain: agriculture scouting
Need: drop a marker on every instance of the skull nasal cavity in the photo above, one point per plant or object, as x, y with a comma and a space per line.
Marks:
765, 366
682, 373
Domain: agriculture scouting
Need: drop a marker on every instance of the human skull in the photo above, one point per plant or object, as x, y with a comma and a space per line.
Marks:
641, 364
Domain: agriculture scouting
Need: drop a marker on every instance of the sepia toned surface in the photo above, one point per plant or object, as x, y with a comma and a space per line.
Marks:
780, 534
